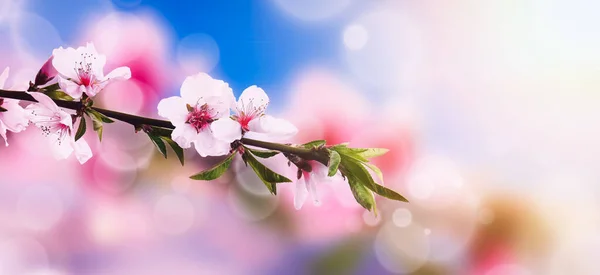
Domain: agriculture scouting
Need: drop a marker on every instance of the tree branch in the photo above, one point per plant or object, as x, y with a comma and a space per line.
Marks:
137, 121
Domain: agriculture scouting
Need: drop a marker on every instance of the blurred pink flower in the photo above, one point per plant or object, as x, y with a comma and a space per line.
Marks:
12, 116
57, 124
46, 73
81, 71
203, 100
252, 120
308, 184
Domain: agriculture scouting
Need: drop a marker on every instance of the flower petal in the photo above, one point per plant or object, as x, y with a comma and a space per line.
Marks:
69, 87
3, 133
65, 62
202, 89
207, 145
60, 147
82, 150
253, 100
300, 193
312, 189
15, 119
174, 109
183, 135
226, 130
97, 60
44, 101
120, 73
271, 129
4, 77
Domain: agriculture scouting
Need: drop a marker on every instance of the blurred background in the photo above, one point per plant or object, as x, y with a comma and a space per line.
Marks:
489, 108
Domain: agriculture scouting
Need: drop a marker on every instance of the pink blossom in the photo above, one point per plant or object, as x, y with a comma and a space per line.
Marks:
12, 117
81, 71
58, 126
203, 101
250, 119
46, 73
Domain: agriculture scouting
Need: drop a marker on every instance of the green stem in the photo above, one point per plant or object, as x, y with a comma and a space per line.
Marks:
310, 154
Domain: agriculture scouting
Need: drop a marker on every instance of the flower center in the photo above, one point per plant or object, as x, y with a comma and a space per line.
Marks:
199, 117
52, 125
248, 113
84, 70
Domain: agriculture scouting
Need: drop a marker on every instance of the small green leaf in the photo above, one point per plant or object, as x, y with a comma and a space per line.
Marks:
363, 196
2, 110
99, 116
314, 143
58, 94
351, 168
349, 153
176, 148
371, 152
160, 145
268, 177
262, 153
376, 170
215, 172
81, 129
334, 162
97, 125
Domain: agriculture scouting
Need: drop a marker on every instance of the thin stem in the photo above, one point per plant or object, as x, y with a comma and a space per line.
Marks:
310, 154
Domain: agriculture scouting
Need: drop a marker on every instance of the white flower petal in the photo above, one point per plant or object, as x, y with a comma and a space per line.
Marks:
120, 73
15, 119
3, 133
207, 145
4, 77
253, 100
226, 129
44, 101
202, 89
82, 150
65, 62
61, 148
183, 135
300, 193
69, 87
273, 129
174, 109
97, 60
312, 189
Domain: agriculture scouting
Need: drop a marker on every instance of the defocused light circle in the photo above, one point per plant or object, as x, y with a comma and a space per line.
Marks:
173, 214
250, 207
33, 34
17, 255
249, 181
402, 217
435, 181
124, 96
312, 10
197, 52
117, 159
427, 231
401, 249
39, 208
355, 37
370, 218
393, 52
112, 180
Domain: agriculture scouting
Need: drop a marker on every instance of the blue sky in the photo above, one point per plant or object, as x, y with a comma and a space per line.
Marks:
258, 43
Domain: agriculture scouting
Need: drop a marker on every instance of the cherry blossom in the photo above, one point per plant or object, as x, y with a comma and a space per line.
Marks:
81, 71
308, 184
12, 116
46, 73
57, 125
252, 122
202, 103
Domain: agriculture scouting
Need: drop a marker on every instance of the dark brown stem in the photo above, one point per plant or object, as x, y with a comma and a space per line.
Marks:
138, 121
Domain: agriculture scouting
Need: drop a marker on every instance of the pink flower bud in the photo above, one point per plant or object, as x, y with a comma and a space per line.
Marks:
46, 73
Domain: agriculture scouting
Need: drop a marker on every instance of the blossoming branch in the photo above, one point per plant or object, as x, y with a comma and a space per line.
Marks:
206, 116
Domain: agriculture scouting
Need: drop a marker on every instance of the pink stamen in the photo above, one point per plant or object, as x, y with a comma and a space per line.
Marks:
200, 117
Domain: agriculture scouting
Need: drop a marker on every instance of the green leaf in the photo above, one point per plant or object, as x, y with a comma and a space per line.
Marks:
349, 153
314, 143
176, 148
2, 110
99, 116
376, 170
351, 168
268, 177
334, 162
58, 94
81, 129
97, 125
371, 152
160, 145
215, 172
363, 196
262, 153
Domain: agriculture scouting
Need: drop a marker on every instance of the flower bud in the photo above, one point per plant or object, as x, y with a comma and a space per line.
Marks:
46, 73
